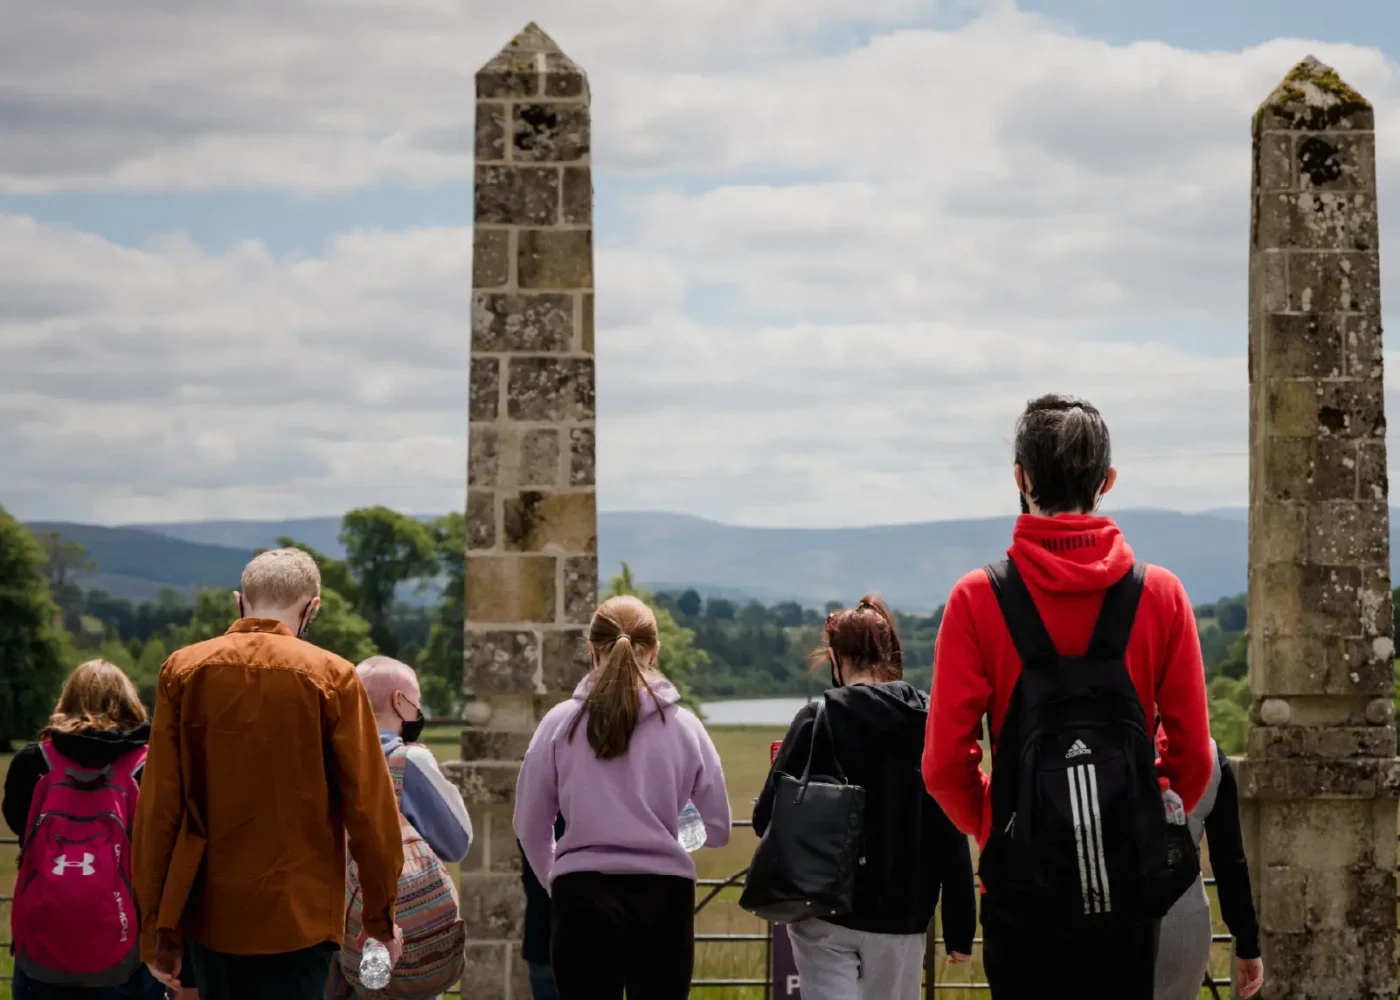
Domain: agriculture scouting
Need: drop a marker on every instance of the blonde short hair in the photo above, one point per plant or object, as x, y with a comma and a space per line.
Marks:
280, 578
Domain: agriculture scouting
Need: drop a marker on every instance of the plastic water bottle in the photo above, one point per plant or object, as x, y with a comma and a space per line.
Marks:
692, 828
374, 965
1175, 808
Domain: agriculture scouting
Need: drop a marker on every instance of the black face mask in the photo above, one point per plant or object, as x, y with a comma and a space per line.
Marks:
412, 728
836, 681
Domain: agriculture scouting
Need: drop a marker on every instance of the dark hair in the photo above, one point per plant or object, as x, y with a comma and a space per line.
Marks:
622, 627
1062, 447
864, 637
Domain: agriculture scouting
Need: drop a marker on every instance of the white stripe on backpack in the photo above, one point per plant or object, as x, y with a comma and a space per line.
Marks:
1088, 838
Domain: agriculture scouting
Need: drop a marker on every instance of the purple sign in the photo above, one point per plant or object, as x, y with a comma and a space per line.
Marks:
785, 984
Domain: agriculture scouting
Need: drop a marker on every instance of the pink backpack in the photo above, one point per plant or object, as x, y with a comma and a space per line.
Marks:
74, 922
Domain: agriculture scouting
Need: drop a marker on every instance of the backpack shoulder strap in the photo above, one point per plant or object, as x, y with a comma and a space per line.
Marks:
398, 762
1023, 621
1116, 617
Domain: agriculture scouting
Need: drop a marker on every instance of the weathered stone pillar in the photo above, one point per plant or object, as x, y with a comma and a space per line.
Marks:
1318, 785
532, 568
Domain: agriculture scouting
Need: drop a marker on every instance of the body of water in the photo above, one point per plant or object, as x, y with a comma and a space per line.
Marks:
752, 711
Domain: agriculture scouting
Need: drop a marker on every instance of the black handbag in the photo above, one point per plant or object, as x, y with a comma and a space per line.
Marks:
805, 865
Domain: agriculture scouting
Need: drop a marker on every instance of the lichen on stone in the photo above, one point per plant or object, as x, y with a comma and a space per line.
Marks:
1314, 85
1324, 78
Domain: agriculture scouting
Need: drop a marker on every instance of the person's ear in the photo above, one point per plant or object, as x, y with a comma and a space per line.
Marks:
1109, 480
238, 602
593, 654
1023, 482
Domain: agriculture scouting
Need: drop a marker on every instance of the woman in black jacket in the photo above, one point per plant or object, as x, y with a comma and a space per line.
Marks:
534, 946
911, 849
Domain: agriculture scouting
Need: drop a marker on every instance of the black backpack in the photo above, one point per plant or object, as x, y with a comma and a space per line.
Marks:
1079, 832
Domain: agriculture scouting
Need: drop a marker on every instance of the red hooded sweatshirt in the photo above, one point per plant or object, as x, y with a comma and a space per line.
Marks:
1067, 562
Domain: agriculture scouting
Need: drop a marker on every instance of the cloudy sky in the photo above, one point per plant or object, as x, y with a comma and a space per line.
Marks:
840, 242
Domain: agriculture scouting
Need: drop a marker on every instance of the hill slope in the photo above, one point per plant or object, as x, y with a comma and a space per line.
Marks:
135, 563
912, 565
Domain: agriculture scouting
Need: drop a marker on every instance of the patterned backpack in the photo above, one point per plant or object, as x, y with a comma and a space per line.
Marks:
434, 935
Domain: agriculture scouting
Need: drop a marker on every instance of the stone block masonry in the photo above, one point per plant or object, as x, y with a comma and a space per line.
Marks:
1319, 786
532, 525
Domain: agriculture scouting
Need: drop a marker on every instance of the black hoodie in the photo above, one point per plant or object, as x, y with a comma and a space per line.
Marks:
92, 748
911, 849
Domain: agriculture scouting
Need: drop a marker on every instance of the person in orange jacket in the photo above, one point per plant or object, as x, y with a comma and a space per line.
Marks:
1066, 562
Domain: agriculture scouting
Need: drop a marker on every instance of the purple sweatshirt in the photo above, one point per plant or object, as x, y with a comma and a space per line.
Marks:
621, 816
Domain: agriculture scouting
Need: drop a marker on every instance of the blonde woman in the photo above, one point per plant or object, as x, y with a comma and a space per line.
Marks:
96, 736
619, 761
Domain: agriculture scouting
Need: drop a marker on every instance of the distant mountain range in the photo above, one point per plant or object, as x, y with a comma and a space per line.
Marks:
912, 565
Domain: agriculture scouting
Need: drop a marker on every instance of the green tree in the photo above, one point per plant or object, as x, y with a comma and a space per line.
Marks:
146, 671
1236, 663
689, 603
717, 609
440, 661
383, 549
31, 643
339, 629
1229, 700
67, 561
680, 659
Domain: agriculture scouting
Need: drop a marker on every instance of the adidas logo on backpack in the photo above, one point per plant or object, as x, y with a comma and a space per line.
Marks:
1086, 841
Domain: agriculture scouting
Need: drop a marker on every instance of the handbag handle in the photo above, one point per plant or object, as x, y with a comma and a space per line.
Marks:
816, 725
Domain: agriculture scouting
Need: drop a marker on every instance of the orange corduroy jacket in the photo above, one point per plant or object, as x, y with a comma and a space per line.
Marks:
263, 756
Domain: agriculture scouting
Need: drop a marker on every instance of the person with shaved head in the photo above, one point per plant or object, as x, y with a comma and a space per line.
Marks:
430, 802
436, 832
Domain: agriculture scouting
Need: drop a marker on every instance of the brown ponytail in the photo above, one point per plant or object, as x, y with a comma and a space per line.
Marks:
622, 628
865, 638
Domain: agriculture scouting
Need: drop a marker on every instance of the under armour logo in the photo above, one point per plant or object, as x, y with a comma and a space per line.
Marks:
1078, 749
61, 862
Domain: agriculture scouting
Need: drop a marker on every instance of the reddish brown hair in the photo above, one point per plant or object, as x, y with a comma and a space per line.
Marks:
864, 638
96, 696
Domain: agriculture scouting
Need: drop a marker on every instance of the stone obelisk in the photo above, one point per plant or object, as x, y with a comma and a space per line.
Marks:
532, 532
1318, 786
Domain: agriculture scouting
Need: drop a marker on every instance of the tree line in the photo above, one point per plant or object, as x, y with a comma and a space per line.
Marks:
713, 647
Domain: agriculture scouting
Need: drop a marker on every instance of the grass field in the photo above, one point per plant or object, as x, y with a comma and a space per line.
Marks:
744, 751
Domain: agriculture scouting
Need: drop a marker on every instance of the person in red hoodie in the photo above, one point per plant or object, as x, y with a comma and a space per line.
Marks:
1064, 559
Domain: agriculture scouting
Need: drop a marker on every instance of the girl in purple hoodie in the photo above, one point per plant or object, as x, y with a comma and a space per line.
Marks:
619, 761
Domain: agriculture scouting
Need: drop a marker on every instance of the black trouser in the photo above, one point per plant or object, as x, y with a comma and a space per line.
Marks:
294, 975
614, 932
1025, 957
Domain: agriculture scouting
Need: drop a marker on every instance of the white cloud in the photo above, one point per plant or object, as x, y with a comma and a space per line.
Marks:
177, 383
842, 279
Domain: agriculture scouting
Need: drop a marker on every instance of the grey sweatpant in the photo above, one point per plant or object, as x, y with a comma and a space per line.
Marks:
837, 963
